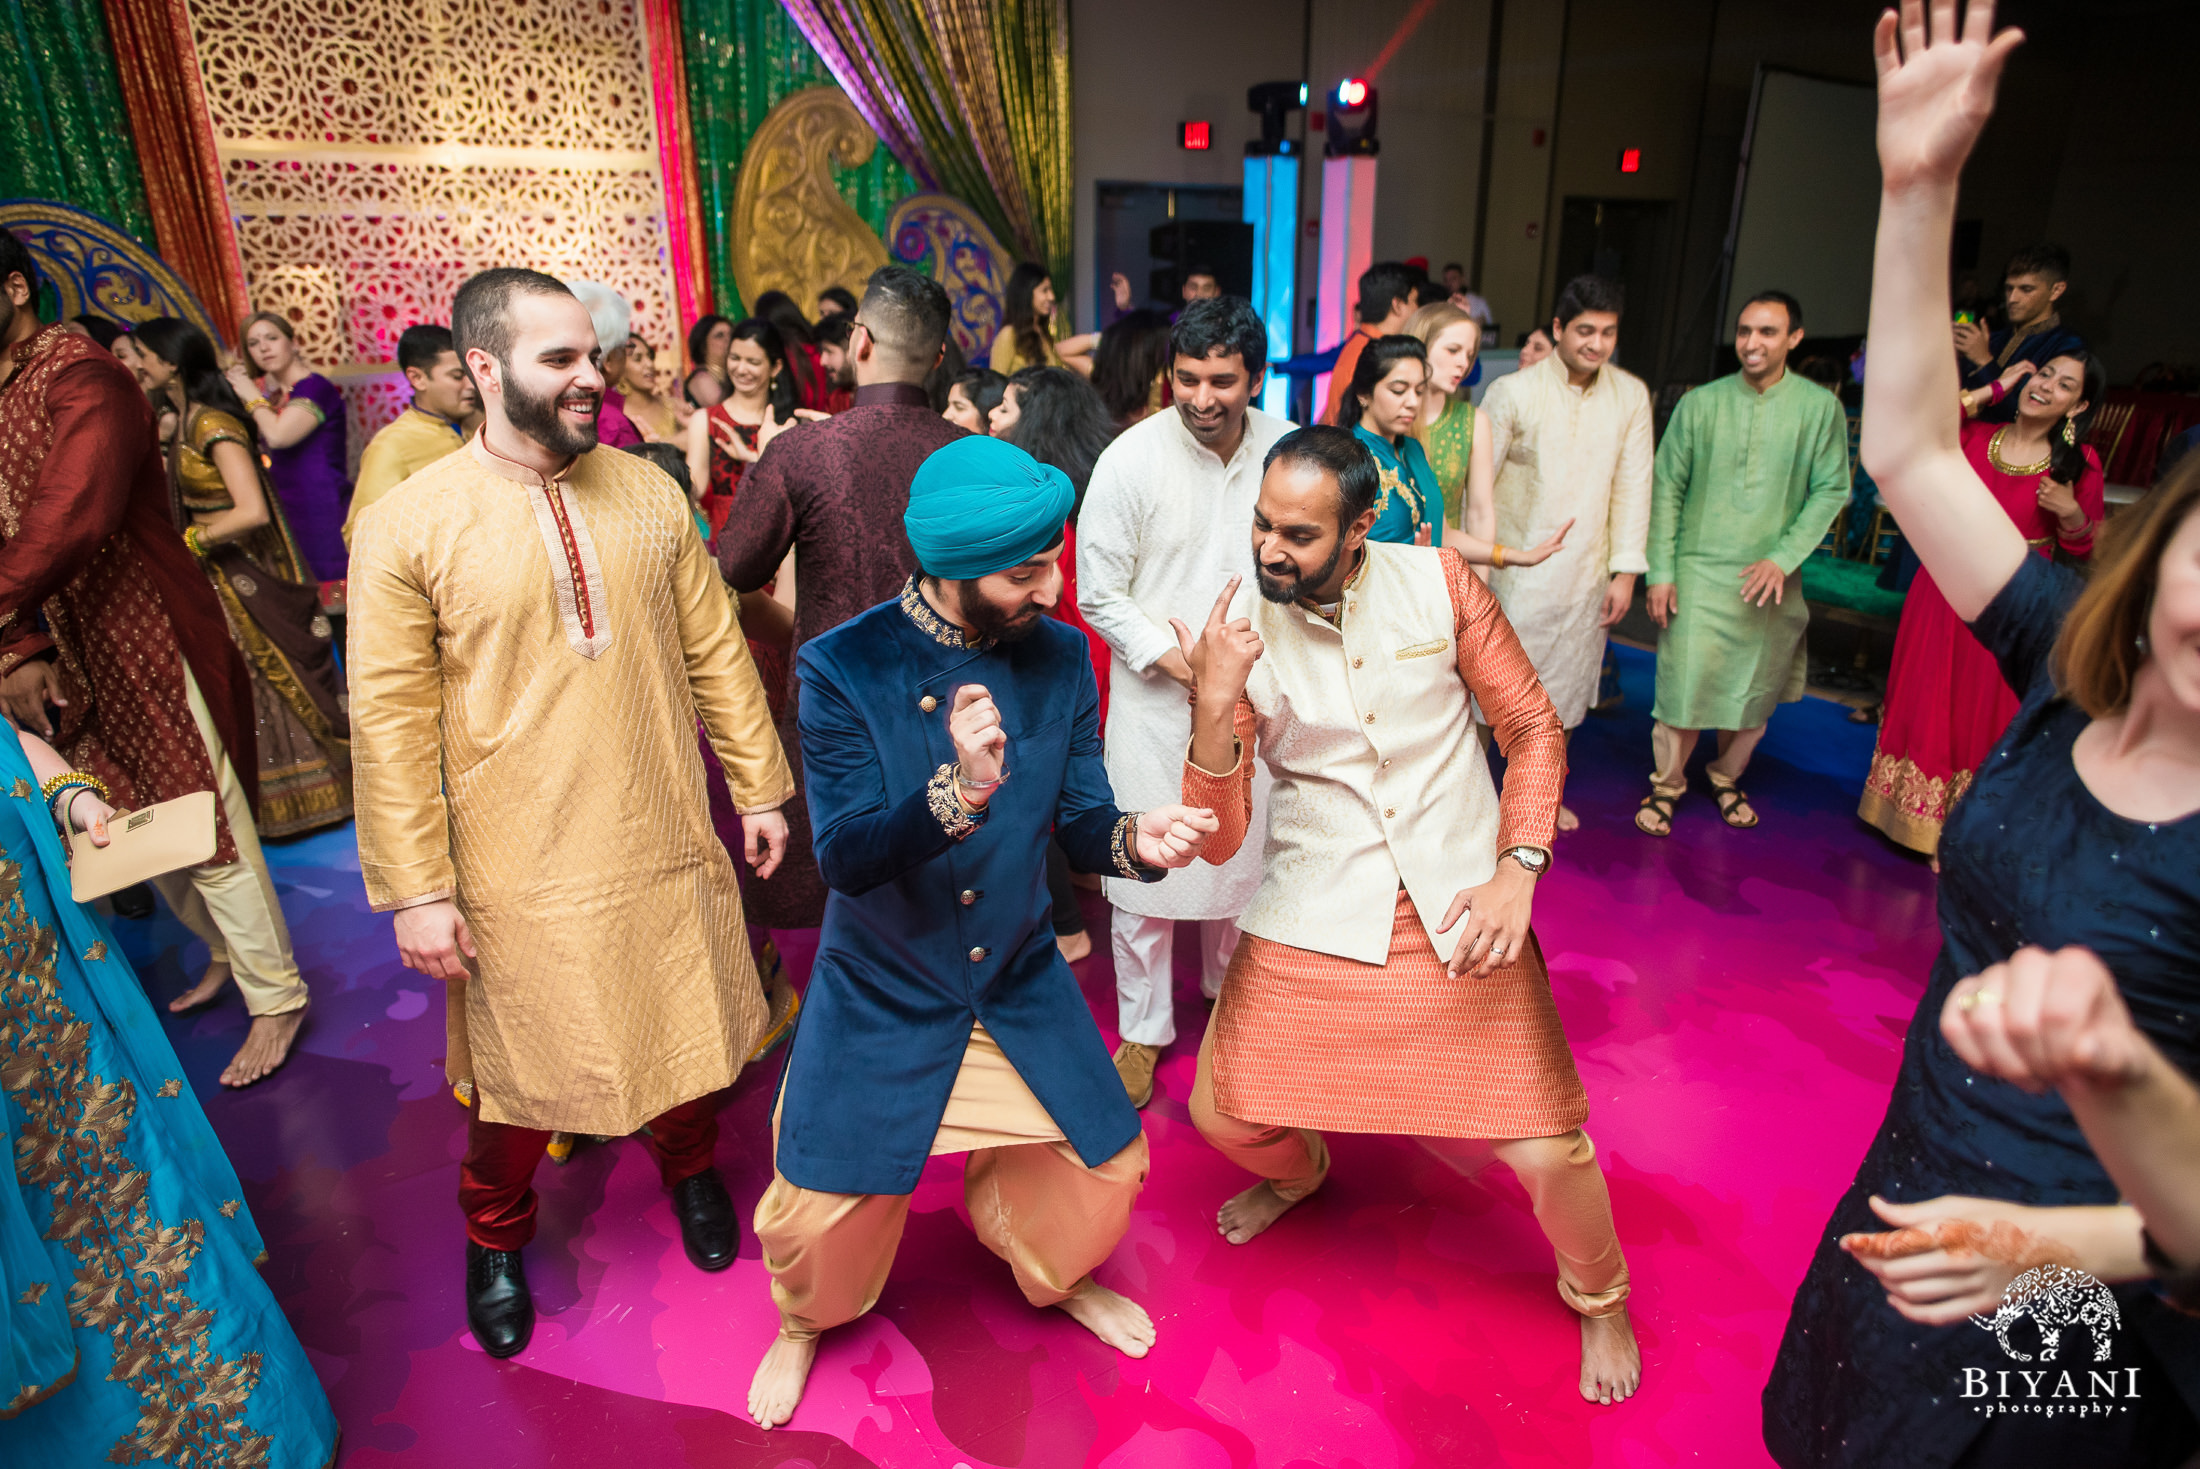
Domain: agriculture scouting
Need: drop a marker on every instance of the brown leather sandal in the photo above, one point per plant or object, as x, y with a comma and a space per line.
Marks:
1658, 806
1729, 795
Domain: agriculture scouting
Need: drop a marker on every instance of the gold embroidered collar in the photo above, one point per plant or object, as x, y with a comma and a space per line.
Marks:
934, 626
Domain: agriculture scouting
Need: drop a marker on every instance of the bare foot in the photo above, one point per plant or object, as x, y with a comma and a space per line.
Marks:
1117, 1320
779, 1380
1611, 1363
1251, 1212
1074, 946
203, 993
266, 1047
1567, 821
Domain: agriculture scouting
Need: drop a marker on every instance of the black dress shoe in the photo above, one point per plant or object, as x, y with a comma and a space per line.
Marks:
708, 1229
134, 901
498, 1306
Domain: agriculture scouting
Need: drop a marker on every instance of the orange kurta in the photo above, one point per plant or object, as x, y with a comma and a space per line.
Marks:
1305, 1039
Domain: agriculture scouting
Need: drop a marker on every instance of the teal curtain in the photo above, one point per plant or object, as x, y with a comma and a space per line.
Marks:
742, 57
63, 131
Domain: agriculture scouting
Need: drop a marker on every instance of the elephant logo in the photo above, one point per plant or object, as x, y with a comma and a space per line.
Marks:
2054, 1296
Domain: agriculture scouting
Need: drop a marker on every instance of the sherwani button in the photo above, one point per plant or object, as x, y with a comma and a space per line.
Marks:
1390, 811
928, 703
1371, 719
969, 896
979, 953
1357, 662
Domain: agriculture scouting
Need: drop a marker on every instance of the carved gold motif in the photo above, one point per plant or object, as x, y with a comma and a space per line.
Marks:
379, 152
792, 231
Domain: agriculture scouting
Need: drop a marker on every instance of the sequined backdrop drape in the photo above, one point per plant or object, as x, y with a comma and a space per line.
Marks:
63, 133
742, 57
668, 86
157, 65
973, 95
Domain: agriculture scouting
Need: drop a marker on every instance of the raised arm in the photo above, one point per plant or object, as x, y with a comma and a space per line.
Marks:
1936, 90
863, 839
760, 528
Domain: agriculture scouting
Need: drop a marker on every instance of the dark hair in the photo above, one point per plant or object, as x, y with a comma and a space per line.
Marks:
983, 387
1453, 265
779, 308
1133, 353
176, 341
1383, 285
906, 312
2066, 459
780, 394
1783, 300
1032, 334
481, 313
1339, 453
2099, 651
946, 372
699, 339
421, 344
2040, 258
274, 319
840, 296
99, 329
834, 330
1376, 360
670, 458
1201, 269
1224, 324
1531, 331
1588, 293
16, 259
1061, 421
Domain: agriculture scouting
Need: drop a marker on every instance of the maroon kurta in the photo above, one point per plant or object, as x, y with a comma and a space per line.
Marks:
86, 538
836, 490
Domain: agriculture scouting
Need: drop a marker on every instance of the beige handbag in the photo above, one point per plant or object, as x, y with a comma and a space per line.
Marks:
142, 844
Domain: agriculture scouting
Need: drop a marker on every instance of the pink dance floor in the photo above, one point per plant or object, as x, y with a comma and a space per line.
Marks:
1736, 1002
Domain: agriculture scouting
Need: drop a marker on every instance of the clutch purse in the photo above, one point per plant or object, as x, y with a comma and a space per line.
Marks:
141, 844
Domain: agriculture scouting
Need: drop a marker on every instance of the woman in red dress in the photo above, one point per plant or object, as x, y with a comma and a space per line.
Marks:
726, 438
1946, 701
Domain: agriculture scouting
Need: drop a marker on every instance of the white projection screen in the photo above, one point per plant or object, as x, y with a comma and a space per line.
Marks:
1810, 202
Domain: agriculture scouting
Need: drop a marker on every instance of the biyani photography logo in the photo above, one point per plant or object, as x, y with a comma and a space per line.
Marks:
2054, 1299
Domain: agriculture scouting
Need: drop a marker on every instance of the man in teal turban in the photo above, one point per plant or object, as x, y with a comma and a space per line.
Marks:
945, 736
979, 507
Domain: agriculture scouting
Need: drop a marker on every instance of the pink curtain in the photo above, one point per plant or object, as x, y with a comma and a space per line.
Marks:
676, 158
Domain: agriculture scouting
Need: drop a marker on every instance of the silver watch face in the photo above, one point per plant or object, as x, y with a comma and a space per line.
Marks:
1529, 858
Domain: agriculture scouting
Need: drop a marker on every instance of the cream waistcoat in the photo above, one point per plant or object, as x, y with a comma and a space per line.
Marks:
1378, 777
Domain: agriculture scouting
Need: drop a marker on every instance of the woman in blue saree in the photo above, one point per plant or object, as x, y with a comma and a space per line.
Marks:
134, 1324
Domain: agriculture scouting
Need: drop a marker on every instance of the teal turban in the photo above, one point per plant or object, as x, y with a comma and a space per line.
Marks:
978, 506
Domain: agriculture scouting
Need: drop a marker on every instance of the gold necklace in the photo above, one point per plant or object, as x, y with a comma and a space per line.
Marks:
1993, 454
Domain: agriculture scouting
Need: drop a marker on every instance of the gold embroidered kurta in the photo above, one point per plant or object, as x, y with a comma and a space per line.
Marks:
540, 653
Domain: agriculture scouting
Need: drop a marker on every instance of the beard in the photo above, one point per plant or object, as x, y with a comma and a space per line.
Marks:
537, 416
1286, 590
989, 621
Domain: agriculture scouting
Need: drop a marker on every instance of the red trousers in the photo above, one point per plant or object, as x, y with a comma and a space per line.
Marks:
496, 1183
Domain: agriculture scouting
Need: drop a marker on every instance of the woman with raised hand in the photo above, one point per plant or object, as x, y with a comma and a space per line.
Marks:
1026, 338
2079, 830
301, 423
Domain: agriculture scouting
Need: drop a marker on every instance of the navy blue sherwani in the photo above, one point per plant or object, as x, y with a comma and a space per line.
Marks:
934, 921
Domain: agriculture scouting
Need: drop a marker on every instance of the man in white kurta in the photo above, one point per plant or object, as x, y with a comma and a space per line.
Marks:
1162, 526
1571, 441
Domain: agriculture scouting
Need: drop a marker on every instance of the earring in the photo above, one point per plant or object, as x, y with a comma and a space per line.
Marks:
2070, 429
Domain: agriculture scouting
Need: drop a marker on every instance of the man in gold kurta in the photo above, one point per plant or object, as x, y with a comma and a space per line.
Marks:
535, 627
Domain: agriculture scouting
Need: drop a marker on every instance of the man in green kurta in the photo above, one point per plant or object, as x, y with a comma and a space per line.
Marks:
1753, 469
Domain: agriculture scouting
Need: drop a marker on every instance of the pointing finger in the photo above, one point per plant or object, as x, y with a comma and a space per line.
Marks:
1222, 603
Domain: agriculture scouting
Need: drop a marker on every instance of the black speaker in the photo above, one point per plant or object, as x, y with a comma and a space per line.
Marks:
1224, 246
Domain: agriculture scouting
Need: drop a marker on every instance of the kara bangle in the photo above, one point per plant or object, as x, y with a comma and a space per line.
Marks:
194, 541
966, 783
256, 405
1497, 553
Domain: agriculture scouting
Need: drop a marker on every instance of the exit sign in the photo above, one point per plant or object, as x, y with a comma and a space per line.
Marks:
1196, 136
1630, 160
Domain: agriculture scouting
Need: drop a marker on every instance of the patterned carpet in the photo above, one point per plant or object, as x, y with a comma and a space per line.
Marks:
1736, 1001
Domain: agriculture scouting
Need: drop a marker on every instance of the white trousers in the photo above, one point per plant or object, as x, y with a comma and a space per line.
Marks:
233, 906
1145, 962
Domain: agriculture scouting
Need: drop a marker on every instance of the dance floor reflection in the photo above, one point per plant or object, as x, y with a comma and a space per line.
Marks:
1736, 1001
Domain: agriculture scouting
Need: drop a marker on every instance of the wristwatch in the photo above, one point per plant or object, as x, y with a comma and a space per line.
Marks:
1535, 859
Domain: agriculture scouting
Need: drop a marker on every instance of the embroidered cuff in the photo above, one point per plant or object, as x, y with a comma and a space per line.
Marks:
956, 819
1123, 847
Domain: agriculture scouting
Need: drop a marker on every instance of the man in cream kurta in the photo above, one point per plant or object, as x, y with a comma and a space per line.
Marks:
1163, 525
1571, 441
535, 628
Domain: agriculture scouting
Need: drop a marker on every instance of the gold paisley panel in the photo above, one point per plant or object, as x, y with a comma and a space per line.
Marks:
792, 231
379, 152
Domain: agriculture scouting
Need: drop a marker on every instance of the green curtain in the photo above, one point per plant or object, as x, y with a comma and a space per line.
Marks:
63, 131
742, 57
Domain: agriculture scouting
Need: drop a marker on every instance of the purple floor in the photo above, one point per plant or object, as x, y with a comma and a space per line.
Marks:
1736, 1001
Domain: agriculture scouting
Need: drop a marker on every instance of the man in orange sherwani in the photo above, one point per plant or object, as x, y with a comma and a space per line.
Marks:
535, 627
1358, 1000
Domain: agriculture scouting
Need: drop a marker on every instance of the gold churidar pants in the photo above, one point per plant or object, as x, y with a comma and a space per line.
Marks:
1671, 747
234, 907
1032, 1201
1564, 1184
